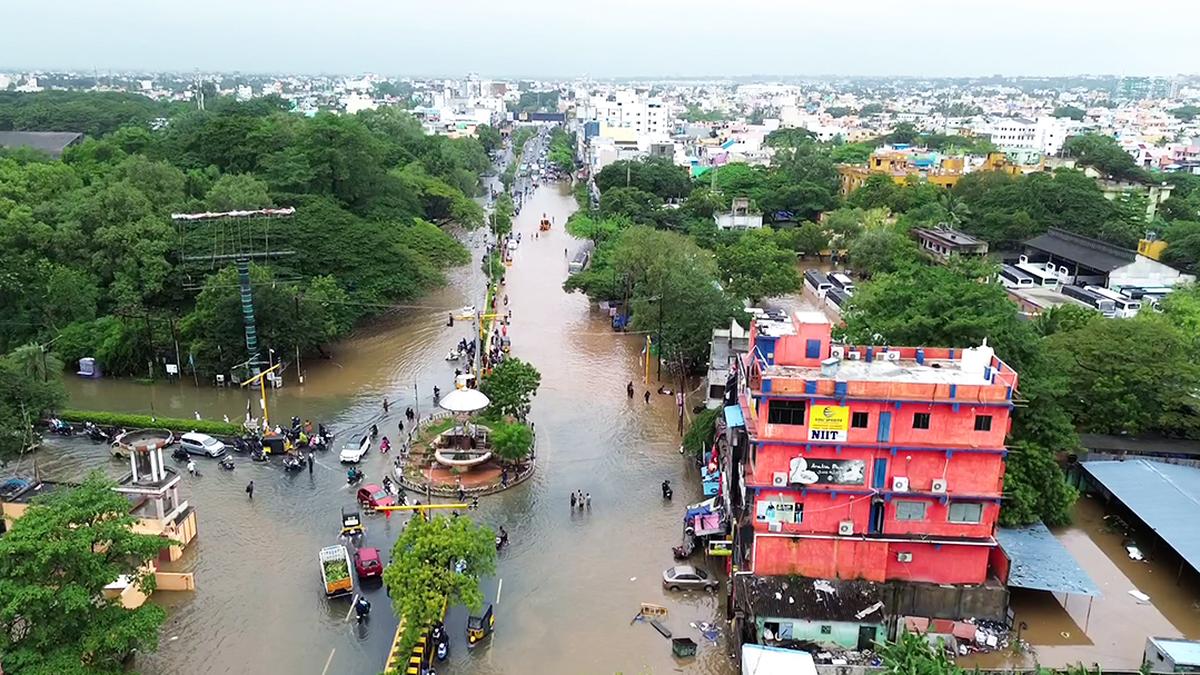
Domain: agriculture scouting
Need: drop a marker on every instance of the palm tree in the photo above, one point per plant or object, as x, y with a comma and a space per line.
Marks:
876, 218
955, 208
33, 361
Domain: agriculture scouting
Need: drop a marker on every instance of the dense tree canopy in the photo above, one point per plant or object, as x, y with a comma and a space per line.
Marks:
437, 562
659, 177
91, 236
59, 557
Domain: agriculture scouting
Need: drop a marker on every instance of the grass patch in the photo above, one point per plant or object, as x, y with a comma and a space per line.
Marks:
133, 421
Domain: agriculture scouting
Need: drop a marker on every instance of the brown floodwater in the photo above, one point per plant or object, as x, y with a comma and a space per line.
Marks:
568, 585
1111, 630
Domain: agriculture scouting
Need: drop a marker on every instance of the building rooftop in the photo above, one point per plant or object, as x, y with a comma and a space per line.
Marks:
933, 371
50, 142
1041, 563
1166, 497
812, 599
1044, 297
1093, 253
949, 236
1182, 652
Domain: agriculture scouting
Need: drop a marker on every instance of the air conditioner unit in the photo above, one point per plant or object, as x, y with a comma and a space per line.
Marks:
899, 484
938, 485
775, 526
891, 356
855, 355
779, 479
846, 528
837, 351
904, 557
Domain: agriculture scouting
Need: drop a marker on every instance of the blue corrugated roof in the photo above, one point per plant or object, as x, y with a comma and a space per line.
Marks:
733, 416
1164, 496
1041, 563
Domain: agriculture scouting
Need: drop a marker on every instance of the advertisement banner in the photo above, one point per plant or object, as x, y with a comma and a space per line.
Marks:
828, 423
827, 471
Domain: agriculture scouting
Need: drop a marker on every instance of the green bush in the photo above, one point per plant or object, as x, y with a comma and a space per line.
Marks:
132, 421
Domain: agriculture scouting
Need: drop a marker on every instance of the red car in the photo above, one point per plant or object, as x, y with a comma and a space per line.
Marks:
367, 563
372, 497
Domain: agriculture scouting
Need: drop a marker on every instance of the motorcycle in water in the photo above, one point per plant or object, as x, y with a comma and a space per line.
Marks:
227, 463
95, 433
61, 428
258, 455
291, 463
666, 490
354, 476
441, 642
180, 454
362, 608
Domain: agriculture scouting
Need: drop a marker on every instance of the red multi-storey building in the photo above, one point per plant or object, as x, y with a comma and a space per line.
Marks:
877, 463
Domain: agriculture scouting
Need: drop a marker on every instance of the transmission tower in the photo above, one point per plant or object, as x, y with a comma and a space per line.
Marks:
240, 236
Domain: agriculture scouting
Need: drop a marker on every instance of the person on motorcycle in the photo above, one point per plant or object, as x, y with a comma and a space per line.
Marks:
362, 607
385, 445
374, 431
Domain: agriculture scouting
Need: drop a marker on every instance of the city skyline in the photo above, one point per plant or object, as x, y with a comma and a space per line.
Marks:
533, 38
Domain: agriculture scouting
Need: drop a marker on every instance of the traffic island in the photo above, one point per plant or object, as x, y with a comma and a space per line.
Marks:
439, 462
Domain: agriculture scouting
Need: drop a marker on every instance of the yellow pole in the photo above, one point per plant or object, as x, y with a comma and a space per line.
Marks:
262, 387
646, 377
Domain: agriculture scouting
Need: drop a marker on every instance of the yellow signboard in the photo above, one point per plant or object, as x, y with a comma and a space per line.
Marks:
828, 423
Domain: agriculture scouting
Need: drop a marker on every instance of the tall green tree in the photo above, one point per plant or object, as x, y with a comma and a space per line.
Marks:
424, 574
1130, 376
511, 387
60, 555
756, 267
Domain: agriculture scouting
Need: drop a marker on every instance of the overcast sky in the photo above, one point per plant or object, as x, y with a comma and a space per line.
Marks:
611, 38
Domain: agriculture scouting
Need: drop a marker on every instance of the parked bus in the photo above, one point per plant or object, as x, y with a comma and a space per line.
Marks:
582, 257
1126, 307
1041, 276
1101, 304
837, 298
817, 281
1012, 277
843, 282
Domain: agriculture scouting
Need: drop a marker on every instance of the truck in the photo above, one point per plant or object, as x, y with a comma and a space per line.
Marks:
335, 571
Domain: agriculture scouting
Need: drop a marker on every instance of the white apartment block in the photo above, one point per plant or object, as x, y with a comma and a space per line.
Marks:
627, 110
1046, 134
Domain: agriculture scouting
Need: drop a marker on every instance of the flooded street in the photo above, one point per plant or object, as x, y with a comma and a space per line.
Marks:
569, 583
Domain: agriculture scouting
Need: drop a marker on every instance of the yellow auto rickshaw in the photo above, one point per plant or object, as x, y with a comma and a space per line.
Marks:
351, 522
480, 627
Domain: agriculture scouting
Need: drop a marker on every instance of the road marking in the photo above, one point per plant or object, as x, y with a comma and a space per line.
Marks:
499, 588
328, 661
353, 599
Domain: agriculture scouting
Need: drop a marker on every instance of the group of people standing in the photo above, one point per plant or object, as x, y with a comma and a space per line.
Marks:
581, 500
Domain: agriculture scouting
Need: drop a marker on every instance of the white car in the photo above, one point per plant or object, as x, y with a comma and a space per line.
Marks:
201, 444
353, 454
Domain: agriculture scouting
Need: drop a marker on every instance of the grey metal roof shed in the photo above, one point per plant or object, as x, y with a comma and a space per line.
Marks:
1166, 497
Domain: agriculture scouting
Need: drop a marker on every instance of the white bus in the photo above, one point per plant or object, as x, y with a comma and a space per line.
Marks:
1041, 276
1012, 277
1126, 307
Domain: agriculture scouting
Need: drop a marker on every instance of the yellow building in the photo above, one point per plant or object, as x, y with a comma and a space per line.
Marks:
910, 164
1152, 248
152, 489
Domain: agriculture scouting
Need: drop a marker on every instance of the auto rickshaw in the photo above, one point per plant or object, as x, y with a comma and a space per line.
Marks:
351, 522
479, 627
545, 224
